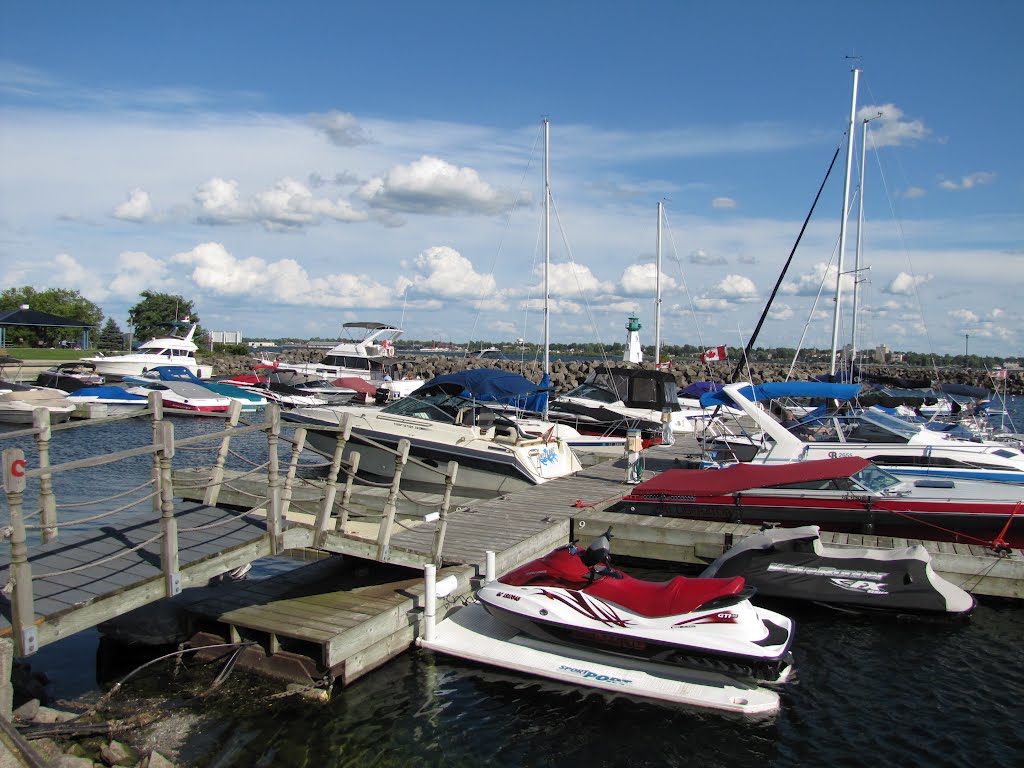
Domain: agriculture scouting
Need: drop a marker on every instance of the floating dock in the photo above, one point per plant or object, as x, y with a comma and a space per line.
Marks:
474, 635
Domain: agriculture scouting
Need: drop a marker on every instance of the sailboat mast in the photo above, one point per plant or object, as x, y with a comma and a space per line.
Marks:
860, 242
547, 246
842, 223
657, 294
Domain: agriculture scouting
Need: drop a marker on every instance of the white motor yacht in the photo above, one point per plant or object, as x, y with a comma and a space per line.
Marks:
367, 354
164, 350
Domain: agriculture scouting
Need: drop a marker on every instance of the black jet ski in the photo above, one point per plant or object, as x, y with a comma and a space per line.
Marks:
793, 563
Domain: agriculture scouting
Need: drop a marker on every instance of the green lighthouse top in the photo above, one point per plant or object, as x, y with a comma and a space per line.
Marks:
633, 324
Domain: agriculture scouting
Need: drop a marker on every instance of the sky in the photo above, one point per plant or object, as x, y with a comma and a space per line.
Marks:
291, 166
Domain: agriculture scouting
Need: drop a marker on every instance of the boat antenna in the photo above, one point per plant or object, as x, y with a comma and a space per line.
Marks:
782, 275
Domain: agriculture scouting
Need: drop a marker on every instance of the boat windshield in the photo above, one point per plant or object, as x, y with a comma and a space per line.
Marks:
433, 405
876, 479
590, 392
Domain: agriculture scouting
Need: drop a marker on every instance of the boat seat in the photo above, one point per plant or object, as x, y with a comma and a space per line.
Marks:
667, 598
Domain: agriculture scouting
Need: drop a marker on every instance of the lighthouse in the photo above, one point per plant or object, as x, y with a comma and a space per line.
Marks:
634, 353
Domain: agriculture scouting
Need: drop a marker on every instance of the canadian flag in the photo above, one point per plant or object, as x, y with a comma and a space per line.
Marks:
714, 354
185, 319
1000, 374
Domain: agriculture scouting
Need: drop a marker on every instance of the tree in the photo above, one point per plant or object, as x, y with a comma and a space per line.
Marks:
54, 301
111, 337
151, 316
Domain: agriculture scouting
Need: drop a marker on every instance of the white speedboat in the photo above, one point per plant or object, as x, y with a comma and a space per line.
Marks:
367, 354
495, 455
164, 350
18, 402
835, 429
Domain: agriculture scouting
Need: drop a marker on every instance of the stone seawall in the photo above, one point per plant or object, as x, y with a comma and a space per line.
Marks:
566, 375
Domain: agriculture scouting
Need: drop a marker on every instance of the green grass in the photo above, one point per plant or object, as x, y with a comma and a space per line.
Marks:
30, 353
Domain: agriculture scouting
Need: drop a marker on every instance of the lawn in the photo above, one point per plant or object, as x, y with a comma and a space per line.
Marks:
42, 353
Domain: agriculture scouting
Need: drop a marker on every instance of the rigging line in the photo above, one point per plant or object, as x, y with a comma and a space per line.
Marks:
910, 264
508, 218
810, 315
778, 283
817, 298
686, 291
579, 288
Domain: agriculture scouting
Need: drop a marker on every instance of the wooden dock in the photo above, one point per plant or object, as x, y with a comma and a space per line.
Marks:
325, 622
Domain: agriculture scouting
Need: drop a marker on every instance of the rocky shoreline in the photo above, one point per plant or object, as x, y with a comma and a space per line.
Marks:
566, 375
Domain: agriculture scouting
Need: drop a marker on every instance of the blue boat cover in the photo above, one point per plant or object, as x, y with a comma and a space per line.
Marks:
494, 385
698, 388
776, 389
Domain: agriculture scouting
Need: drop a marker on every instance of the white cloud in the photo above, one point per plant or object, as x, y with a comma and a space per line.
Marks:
137, 207
446, 273
218, 271
79, 277
904, 284
782, 312
723, 203
567, 278
963, 315
136, 272
289, 204
914, 193
738, 287
821, 278
700, 256
970, 181
641, 280
890, 129
431, 185
341, 128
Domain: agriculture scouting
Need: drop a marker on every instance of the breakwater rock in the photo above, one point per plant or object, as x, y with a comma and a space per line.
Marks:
567, 374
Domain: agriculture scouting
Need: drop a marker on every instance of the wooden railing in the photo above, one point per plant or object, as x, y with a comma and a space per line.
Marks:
163, 448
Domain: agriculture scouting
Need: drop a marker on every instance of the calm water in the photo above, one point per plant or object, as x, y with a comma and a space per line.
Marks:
868, 691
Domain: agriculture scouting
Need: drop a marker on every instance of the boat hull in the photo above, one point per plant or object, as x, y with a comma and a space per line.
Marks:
766, 661
499, 474
977, 523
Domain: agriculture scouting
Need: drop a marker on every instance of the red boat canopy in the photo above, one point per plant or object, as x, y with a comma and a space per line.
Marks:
743, 477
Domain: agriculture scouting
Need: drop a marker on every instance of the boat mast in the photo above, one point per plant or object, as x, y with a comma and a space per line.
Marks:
842, 223
860, 240
547, 248
657, 300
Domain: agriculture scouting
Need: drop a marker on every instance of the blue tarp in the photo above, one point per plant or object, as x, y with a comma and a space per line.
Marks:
493, 385
699, 388
775, 390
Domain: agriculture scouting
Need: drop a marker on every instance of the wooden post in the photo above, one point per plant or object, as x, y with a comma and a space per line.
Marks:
156, 405
273, 478
442, 522
388, 520
47, 501
346, 497
168, 523
323, 518
6, 667
22, 603
289, 480
217, 476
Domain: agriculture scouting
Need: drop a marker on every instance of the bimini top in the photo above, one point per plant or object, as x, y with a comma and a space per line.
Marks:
744, 477
776, 389
370, 326
490, 384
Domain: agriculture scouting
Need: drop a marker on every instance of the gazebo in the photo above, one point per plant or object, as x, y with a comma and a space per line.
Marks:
30, 318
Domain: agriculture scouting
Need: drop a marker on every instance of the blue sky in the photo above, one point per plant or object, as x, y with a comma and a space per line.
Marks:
292, 166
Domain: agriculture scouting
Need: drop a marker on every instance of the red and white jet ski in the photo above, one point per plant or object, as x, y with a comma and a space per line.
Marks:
574, 597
